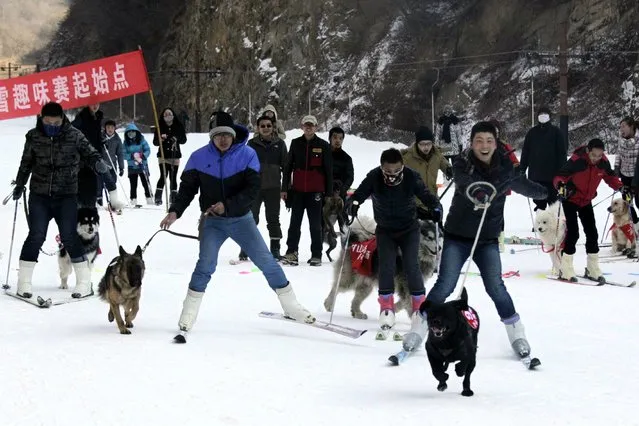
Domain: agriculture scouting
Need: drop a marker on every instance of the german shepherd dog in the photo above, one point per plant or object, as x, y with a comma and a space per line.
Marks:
88, 232
331, 211
452, 336
121, 286
361, 230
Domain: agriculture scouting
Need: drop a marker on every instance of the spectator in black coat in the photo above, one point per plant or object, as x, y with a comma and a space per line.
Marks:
543, 155
90, 185
343, 173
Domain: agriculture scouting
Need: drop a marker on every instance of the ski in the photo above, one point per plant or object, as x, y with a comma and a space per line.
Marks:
338, 329
35, 301
606, 281
399, 357
384, 332
530, 362
578, 281
41, 302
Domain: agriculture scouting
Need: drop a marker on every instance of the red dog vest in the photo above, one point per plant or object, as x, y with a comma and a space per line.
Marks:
362, 256
627, 230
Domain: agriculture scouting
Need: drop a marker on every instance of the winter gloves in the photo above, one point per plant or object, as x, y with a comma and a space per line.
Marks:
566, 190
18, 190
352, 207
448, 173
626, 193
101, 167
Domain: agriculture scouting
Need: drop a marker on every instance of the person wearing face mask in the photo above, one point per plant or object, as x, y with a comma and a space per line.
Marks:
426, 159
393, 189
577, 184
90, 186
137, 151
226, 174
271, 152
626, 160
542, 155
485, 161
51, 157
173, 135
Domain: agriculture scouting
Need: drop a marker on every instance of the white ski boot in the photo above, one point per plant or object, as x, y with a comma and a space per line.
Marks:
592, 268
25, 275
386, 317
566, 269
418, 327
83, 287
114, 200
291, 307
190, 309
517, 336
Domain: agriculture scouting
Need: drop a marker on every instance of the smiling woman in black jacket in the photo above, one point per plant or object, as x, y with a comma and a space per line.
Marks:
173, 135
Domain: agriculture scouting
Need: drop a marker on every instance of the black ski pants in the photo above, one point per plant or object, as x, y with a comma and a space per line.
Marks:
271, 200
408, 242
587, 217
311, 202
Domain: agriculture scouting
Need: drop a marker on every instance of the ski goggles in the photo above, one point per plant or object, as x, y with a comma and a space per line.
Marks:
393, 177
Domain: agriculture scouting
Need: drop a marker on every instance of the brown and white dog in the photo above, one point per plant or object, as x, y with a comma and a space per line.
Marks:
622, 231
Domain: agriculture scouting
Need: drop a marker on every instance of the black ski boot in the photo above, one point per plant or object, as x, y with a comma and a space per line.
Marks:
158, 197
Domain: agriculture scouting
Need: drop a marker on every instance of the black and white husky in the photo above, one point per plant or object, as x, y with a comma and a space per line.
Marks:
89, 238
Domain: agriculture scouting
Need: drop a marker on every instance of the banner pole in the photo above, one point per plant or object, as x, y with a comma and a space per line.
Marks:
159, 135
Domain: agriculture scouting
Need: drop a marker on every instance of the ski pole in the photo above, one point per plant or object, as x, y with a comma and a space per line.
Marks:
532, 219
6, 285
485, 206
339, 277
446, 189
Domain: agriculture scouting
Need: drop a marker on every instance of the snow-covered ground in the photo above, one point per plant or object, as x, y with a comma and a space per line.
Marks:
68, 365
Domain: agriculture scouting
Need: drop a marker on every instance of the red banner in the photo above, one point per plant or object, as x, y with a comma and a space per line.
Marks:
75, 86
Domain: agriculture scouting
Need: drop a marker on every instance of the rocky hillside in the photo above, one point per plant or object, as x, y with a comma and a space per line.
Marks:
371, 65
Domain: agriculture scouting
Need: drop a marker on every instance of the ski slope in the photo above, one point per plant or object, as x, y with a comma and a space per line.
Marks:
67, 365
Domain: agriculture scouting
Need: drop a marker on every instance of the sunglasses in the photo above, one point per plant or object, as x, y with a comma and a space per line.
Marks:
265, 126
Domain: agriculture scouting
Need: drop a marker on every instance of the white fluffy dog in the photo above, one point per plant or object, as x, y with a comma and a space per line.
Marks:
550, 233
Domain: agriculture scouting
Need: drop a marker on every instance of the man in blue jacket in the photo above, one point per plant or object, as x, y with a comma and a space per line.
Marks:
226, 173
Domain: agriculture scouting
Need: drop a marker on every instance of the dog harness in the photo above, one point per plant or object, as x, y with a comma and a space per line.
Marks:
627, 230
362, 256
552, 248
471, 318
61, 246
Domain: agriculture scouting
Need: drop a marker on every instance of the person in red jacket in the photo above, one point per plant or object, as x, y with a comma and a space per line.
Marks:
310, 163
577, 184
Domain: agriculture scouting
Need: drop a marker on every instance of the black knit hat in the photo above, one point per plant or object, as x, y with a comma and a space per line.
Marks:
52, 109
423, 134
221, 122
596, 143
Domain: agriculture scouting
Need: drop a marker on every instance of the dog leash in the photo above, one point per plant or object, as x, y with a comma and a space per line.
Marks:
177, 234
